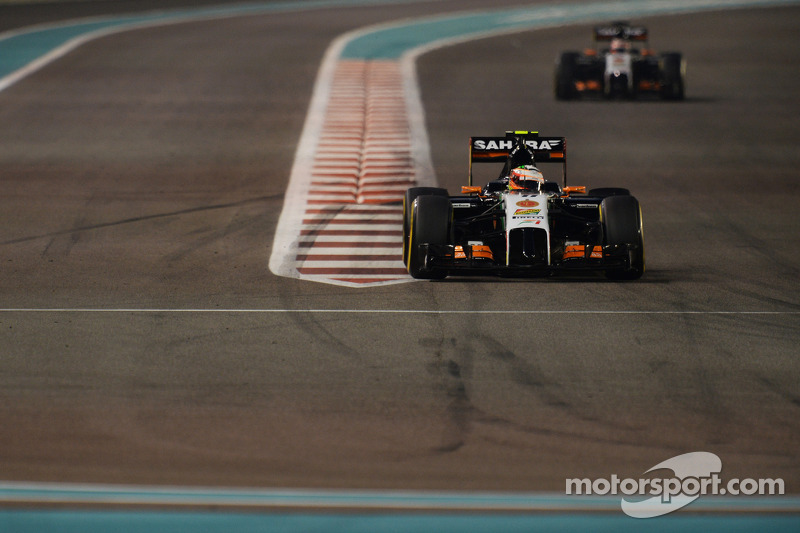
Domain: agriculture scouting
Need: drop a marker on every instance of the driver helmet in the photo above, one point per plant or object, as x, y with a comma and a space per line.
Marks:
526, 177
620, 45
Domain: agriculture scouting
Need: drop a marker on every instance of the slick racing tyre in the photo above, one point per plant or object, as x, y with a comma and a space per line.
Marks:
622, 225
672, 70
566, 72
408, 202
431, 220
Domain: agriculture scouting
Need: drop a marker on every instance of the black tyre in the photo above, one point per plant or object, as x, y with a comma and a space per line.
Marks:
431, 221
566, 74
622, 224
609, 191
672, 71
408, 201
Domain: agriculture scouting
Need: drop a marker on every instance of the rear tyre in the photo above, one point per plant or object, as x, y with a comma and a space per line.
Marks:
408, 201
566, 73
622, 224
672, 70
431, 220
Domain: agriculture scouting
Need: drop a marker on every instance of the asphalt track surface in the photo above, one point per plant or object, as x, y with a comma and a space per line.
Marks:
144, 174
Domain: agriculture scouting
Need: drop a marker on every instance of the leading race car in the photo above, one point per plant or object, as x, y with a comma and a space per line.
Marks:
617, 67
521, 224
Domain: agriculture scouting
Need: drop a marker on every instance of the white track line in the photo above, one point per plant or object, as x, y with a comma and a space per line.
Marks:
398, 311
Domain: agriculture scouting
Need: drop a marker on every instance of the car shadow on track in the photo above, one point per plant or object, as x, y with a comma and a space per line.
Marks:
650, 277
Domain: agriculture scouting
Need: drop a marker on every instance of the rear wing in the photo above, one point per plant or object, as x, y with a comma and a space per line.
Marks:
620, 30
497, 149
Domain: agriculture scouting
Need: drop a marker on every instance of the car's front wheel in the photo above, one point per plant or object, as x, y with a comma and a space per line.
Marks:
408, 202
565, 76
431, 221
622, 225
672, 69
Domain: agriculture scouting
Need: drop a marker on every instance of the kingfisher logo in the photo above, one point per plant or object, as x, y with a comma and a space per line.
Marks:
694, 474
527, 203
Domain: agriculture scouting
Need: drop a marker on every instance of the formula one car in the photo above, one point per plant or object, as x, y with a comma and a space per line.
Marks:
521, 224
618, 68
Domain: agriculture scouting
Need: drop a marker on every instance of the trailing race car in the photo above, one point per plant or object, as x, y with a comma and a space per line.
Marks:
621, 70
521, 224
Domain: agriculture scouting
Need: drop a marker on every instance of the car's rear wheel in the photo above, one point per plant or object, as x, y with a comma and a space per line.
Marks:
408, 202
431, 221
622, 225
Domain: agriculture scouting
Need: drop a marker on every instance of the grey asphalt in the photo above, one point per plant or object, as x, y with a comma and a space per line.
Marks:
146, 170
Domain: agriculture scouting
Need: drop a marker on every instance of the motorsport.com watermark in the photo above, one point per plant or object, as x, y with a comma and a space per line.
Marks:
695, 474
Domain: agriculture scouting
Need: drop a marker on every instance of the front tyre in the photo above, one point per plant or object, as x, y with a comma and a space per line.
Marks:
622, 225
408, 202
672, 70
566, 75
431, 221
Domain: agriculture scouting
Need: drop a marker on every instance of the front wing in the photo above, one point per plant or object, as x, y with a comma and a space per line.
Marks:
591, 75
477, 260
